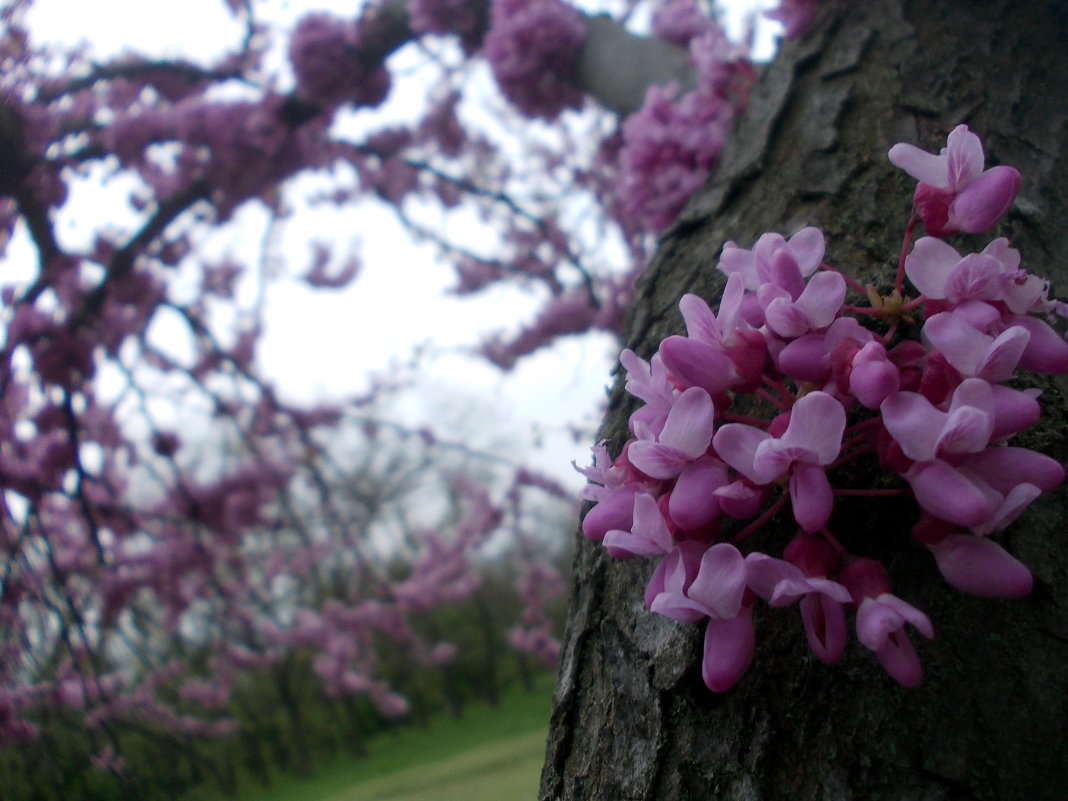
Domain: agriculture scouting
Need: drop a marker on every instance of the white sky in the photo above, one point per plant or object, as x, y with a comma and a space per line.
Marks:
320, 344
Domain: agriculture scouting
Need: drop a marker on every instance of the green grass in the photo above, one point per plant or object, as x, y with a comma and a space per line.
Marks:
491, 752
507, 770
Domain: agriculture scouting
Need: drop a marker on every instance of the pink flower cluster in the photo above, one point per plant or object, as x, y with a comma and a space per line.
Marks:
930, 402
326, 57
531, 47
672, 142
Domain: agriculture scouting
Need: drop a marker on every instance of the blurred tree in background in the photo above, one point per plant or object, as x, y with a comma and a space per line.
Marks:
199, 571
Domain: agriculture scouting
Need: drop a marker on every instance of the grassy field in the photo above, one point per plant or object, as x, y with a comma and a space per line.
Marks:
490, 753
506, 770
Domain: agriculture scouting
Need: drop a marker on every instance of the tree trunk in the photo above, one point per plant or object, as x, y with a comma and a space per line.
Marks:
632, 718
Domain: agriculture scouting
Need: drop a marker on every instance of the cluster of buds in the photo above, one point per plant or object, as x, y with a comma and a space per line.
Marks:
919, 384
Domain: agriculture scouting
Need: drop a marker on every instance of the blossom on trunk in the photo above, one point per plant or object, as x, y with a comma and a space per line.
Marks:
812, 440
881, 620
955, 193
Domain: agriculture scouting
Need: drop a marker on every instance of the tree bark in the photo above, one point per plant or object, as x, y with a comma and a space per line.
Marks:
632, 718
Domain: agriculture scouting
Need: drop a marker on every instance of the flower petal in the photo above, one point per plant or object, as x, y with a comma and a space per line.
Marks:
729, 646
985, 200
693, 501
1046, 350
656, 460
898, 658
689, 423
764, 573
697, 364
1002, 358
615, 511
964, 346
701, 323
929, 264
825, 626
822, 298
964, 157
720, 581
920, 164
811, 496
816, 423
909, 613
808, 247
979, 566
786, 318
736, 444
914, 423
949, 495
1005, 467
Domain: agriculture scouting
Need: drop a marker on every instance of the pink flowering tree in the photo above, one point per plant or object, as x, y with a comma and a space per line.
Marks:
824, 544
148, 572
797, 439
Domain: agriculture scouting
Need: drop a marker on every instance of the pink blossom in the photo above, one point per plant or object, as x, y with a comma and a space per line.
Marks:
811, 441
614, 510
972, 352
979, 566
881, 620
781, 583
648, 534
605, 476
872, 376
940, 272
881, 627
650, 382
790, 313
728, 650
1045, 351
720, 351
698, 582
955, 193
325, 53
685, 437
817, 355
692, 583
758, 266
531, 47
695, 499
567, 313
679, 21
925, 432
669, 146
986, 491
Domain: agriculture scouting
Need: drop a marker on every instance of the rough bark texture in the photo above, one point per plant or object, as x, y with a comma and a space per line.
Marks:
632, 719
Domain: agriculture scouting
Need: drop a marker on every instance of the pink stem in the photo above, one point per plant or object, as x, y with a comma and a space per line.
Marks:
833, 542
889, 335
774, 400
900, 283
853, 282
853, 429
841, 460
912, 304
764, 518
